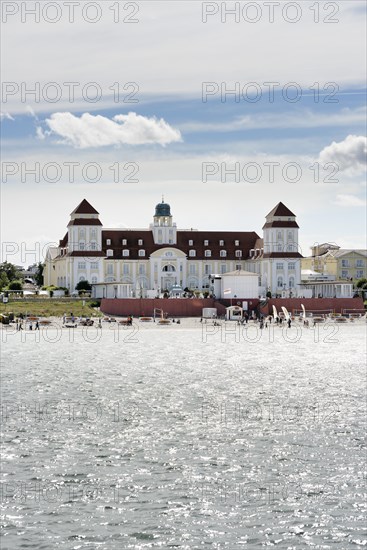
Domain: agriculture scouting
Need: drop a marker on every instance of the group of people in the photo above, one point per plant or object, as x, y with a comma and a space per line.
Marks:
19, 325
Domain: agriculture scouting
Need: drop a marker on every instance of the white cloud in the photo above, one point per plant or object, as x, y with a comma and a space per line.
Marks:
349, 154
30, 111
40, 133
349, 200
97, 131
5, 116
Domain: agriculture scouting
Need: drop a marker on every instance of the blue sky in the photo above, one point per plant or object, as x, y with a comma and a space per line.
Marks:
173, 133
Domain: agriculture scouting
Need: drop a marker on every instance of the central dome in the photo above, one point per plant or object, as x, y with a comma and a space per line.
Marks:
163, 209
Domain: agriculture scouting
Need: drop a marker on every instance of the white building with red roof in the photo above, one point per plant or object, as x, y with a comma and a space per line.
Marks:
143, 262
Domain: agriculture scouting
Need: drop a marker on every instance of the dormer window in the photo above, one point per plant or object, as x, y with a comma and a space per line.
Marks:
140, 242
109, 252
108, 242
237, 243
221, 243
238, 253
208, 253
141, 252
124, 242
206, 243
191, 242
223, 253
192, 253
126, 253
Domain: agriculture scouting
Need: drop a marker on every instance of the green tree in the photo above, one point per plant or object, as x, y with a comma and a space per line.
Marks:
39, 274
10, 270
4, 281
361, 283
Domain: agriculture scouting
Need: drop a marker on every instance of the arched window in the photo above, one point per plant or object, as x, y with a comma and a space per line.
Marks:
291, 282
169, 268
94, 280
81, 279
280, 282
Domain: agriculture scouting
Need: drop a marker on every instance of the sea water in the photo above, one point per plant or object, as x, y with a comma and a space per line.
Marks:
184, 436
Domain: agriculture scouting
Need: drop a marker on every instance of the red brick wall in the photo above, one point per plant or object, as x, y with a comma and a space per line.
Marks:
314, 304
193, 307
174, 307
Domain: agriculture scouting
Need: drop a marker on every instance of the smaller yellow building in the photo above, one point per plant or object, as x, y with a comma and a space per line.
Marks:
340, 263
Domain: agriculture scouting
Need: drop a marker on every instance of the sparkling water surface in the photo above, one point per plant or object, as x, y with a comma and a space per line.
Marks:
183, 437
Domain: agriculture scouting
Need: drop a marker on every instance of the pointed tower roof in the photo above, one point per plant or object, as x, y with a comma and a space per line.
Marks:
281, 210
84, 208
274, 218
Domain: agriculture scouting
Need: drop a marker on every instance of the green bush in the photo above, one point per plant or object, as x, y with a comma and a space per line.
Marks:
15, 285
94, 303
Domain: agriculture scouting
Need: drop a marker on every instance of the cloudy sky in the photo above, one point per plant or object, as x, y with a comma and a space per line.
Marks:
224, 114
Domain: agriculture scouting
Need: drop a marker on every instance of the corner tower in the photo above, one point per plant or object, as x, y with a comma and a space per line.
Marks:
280, 231
84, 229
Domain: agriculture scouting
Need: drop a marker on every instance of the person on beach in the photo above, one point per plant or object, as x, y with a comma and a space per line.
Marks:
289, 322
30, 326
37, 326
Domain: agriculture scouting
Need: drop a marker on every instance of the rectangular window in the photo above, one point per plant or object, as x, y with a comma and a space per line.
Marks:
140, 242
359, 263
81, 265
141, 252
359, 273
238, 253
108, 241
191, 243
345, 263
206, 243
109, 252
223, 268
221, 243
124, 242
192, 270
291, 266
192, 253
208, 269
238, 267
94, 265
141, 269
344, 273
109, 269
237, 243
93, 245
279, 266
208, 253
126, 269
81, 246
126, 253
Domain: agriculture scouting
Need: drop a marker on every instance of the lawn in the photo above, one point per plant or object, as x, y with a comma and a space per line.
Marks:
50, 308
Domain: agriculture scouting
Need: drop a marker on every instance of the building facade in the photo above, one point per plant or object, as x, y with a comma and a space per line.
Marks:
340, 263
126, 263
